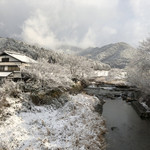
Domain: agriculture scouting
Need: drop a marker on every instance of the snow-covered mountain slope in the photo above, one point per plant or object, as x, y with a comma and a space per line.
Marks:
116, 55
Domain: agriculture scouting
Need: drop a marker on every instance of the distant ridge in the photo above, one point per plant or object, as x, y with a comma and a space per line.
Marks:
117, 55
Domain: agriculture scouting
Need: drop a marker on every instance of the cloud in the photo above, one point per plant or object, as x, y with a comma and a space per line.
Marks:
1, 24
13, 14
36, 31
88, 40
140, 7
140, 23
83, 23
72, 22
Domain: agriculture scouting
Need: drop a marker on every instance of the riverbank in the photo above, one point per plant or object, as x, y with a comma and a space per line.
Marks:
75, 125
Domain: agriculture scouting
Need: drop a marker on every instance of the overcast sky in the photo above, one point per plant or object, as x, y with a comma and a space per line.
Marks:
81, 23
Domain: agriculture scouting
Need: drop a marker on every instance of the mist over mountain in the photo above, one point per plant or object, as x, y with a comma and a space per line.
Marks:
33, 51
69, 49
19, 46
117, 55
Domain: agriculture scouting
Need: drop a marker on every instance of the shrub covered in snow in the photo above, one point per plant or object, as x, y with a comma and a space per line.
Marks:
8, 89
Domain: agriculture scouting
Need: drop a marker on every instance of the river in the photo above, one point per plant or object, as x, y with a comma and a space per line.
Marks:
126, 130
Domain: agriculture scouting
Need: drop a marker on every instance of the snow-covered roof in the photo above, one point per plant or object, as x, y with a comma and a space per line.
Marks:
20, 57
5, 74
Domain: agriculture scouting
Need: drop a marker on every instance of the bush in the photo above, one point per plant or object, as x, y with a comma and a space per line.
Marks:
10, 88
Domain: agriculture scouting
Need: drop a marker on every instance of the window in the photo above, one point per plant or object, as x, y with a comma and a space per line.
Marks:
2, 68
5, 59
13, 68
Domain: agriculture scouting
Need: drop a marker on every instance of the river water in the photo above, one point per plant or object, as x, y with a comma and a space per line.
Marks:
126, 130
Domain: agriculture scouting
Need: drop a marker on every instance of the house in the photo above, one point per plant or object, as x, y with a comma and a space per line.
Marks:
11, 62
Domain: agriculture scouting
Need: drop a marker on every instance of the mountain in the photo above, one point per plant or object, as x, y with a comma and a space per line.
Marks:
37, 52
117, 55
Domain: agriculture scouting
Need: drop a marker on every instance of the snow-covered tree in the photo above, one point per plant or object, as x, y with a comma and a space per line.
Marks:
139, 69
51, 75
145, 45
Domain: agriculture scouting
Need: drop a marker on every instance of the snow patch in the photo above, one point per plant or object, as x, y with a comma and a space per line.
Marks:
101, 73
145, 106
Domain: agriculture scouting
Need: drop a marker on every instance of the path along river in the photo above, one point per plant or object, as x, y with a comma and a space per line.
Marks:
126, 130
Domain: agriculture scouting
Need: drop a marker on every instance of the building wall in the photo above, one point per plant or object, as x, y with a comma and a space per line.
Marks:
12, 65
11, 59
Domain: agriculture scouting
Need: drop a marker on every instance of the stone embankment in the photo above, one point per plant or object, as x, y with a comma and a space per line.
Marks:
141, 110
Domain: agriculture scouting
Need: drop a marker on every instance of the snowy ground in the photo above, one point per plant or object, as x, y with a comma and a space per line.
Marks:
113, 76
74, 126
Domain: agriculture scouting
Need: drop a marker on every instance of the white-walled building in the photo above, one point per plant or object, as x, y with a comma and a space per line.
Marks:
11, 62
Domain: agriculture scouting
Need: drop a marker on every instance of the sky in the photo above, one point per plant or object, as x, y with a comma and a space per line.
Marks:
81, 23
